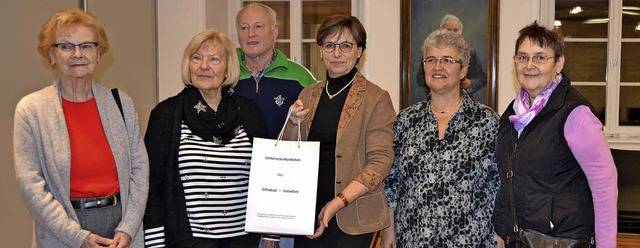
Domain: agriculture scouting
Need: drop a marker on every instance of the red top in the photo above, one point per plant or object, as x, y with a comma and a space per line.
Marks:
93, 168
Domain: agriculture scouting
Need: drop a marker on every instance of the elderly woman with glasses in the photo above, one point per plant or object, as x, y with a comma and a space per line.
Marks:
444, 177
80, 162
352, 118
199, 145
556, 168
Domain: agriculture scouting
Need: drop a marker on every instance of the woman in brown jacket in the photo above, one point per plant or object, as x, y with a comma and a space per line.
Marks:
352, 118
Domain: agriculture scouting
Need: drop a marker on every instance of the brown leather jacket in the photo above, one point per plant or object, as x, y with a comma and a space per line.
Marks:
364, 151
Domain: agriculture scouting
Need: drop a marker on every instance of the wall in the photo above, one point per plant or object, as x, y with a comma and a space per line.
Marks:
21, 71
514, 15
130, 66
178, 21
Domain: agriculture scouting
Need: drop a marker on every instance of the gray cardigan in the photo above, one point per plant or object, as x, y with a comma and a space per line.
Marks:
42, 163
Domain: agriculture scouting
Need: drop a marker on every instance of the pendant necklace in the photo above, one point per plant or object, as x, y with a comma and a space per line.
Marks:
454, 106
326, 88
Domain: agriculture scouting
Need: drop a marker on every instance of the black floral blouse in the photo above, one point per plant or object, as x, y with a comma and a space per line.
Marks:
443, 191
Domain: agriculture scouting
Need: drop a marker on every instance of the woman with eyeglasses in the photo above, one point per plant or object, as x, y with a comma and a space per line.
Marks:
352, 118
199, 143
444, 177
80, 162
554, 161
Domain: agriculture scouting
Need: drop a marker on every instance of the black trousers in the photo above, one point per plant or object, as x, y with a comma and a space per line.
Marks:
251, 240
334, 237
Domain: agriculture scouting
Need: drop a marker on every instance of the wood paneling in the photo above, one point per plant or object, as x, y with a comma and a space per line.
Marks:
628, 240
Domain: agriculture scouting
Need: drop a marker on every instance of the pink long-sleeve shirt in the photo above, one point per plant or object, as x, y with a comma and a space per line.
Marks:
583, 132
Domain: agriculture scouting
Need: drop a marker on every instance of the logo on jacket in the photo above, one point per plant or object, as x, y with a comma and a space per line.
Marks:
279, 100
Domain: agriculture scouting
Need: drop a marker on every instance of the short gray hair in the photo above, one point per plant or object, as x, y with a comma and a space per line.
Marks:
272, 13
442, 38
453, 18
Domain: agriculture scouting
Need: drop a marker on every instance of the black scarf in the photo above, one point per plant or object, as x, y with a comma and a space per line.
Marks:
217, 126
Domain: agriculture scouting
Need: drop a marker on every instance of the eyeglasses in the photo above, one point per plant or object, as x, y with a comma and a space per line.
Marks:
537, 59
444, 60
197, 59
345, 47
70, 47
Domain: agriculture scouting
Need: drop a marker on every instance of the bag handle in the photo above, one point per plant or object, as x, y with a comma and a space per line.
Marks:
116, 97
285, 125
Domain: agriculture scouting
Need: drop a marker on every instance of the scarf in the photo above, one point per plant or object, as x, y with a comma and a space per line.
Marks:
524, 113
216, 126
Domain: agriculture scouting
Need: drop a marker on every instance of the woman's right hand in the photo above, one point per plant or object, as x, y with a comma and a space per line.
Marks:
388, 237
298, 112
94, 240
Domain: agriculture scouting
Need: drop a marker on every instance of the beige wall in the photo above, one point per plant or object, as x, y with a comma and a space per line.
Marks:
129, 66
21, 71
514, 15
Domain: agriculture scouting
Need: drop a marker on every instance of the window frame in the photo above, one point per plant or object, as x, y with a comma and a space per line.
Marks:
618, 136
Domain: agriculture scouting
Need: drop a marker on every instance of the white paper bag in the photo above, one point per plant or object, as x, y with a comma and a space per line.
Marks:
283, 183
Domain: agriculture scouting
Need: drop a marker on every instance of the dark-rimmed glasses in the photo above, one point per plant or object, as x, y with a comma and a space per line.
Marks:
68, 47
537, 58
345, 47
444, 60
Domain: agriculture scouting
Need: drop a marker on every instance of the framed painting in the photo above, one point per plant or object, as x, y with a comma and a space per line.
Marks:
479, 19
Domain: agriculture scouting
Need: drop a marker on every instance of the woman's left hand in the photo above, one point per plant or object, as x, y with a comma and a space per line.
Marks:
298, 112
327, 212
121, 240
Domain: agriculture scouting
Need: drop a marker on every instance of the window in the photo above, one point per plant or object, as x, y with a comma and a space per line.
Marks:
602, 41
298, 22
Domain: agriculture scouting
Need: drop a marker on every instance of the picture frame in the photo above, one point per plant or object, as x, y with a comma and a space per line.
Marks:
420, 17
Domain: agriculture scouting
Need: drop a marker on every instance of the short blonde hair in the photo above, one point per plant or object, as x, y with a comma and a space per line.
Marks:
64, 21
213, 38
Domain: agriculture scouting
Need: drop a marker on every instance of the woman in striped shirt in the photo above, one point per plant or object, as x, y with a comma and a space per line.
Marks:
199, 144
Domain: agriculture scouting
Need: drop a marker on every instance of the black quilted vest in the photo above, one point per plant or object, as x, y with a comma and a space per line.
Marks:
549, 185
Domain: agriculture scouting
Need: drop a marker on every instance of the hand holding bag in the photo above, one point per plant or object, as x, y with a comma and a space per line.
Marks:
283, 182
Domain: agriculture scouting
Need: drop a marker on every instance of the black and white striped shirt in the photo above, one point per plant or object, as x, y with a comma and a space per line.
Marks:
215, 179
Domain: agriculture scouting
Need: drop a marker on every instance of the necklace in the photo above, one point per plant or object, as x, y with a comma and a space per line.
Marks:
326, 88
449, 110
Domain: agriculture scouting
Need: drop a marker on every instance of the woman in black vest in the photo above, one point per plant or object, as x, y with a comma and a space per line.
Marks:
552, 151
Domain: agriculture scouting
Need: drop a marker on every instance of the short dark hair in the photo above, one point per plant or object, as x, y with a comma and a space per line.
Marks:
542, 37
336, 24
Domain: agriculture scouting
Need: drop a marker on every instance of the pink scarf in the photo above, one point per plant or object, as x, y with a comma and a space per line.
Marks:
525, 113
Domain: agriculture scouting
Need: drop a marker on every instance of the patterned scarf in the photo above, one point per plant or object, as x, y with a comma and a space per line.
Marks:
216, 126
525, 113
